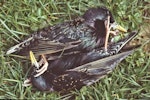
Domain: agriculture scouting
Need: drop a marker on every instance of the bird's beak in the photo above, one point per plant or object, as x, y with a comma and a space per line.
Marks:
33, 60
120, 28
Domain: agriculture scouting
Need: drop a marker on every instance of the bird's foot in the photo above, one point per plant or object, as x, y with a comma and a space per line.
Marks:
43, 68
41, 62
40, 70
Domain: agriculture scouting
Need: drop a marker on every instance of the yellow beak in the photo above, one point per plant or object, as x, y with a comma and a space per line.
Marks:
120, 28
33, 60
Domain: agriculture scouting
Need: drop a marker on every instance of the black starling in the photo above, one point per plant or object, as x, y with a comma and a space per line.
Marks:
81, 34
76, 78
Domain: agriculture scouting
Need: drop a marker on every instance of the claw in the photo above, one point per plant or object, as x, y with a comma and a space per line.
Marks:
42, 70
44, 67
41, 62
38, 64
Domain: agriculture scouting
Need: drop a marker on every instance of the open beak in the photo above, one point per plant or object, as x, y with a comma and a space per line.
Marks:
115, 26
33, 60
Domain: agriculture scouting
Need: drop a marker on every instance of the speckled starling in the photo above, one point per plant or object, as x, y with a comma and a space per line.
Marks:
81, 34
76, 78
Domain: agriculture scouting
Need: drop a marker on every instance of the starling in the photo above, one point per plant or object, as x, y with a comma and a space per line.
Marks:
81, 34
76, 78
61, 64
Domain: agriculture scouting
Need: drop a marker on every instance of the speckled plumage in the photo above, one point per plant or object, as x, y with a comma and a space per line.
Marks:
78, 77
83, 33
73, 72
70, 61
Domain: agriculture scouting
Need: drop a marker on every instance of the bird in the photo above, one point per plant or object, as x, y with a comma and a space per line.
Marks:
75, 78
75, 72
81, 34
61, 64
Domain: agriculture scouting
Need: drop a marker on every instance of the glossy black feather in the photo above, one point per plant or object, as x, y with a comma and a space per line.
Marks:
64, 75
56, 38
78, 77
60, 65
97, 13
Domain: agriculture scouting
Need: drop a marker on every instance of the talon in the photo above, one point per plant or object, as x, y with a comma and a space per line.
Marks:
44, 67
42, 70
27, 82
41, 62
37, 65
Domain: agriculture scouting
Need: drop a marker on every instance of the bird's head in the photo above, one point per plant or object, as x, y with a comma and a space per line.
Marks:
92, 15
96, 17
101, 19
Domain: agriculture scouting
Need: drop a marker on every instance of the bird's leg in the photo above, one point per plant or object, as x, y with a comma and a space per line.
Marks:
107, 33
43, 68
27, 82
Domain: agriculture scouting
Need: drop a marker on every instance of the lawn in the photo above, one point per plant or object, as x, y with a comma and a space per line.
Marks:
19, 18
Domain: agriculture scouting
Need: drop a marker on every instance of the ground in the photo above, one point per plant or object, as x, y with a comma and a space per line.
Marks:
19, 18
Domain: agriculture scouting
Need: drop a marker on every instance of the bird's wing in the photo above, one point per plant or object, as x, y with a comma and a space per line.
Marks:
50, 40
100, 68
107, 63
43, 47
92, 72
50, 47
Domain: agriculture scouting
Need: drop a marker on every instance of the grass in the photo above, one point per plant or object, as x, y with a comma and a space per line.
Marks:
19, 18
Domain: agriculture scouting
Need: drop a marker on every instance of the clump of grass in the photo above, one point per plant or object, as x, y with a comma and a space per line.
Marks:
20, 18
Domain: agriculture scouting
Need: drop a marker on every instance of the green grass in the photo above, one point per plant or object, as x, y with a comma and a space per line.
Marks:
19, 18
